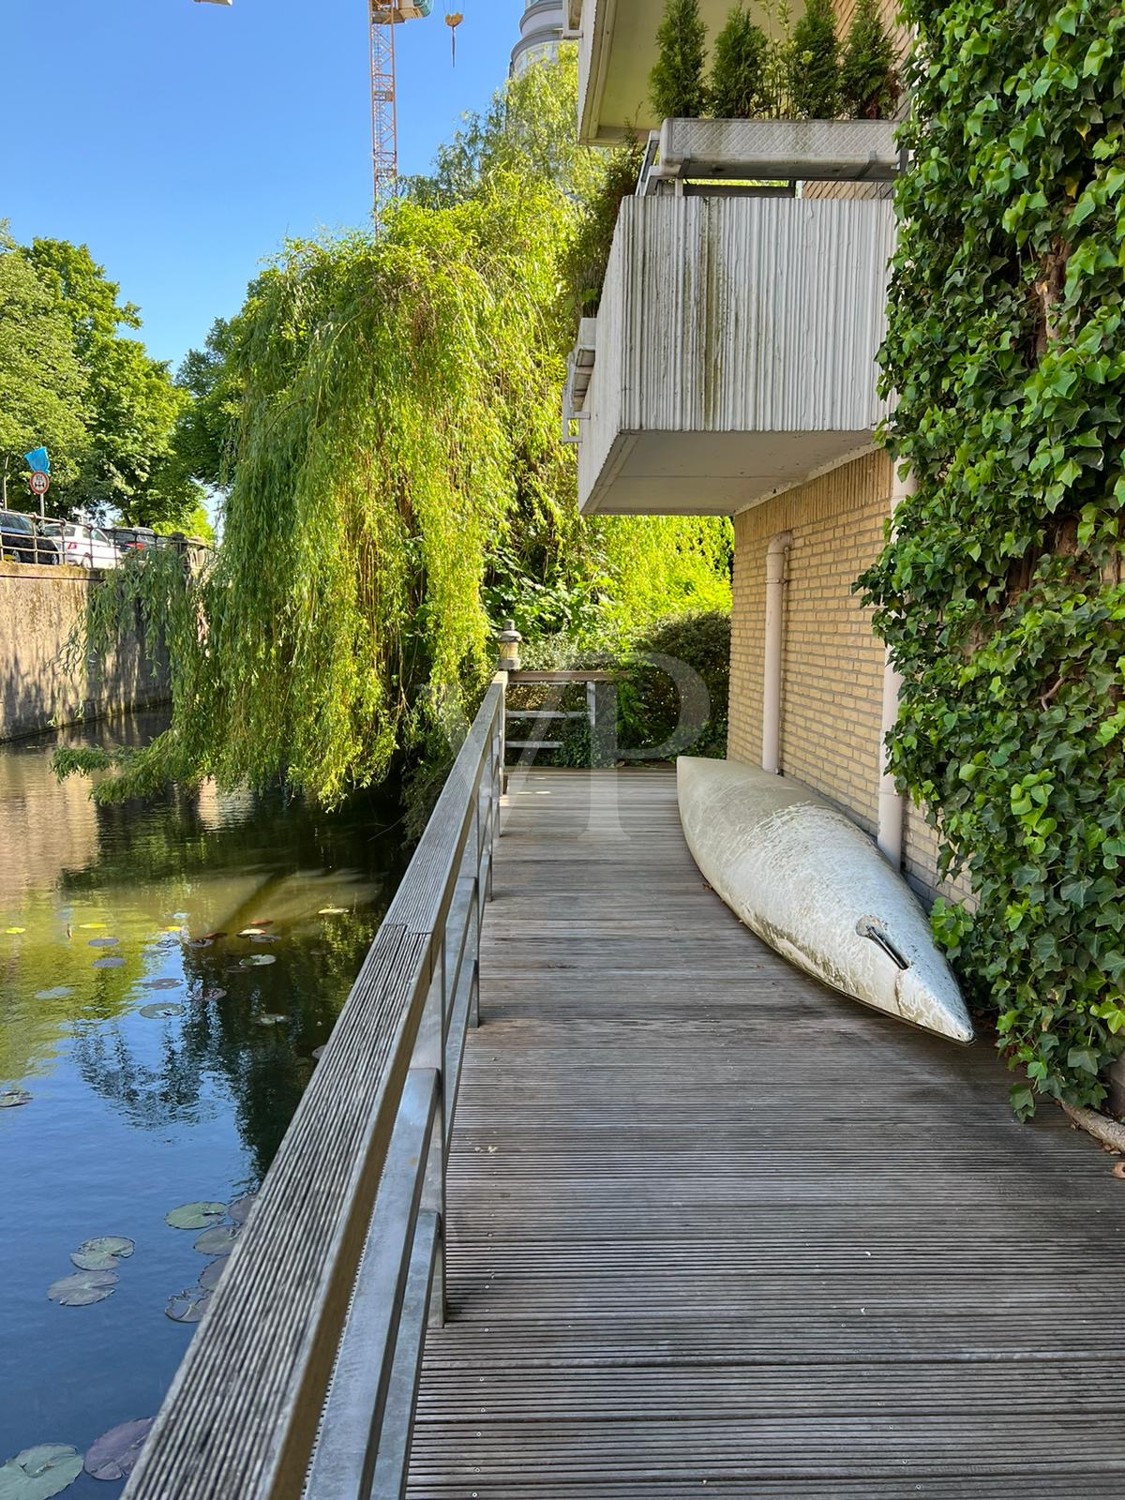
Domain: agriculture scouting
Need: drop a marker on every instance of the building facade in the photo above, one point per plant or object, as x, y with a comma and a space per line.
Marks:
731, 370
541, 32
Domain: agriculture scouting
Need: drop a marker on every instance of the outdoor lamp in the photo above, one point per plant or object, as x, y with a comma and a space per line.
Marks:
510, 639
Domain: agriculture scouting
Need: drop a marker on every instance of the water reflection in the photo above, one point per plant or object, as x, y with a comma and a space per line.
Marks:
167, 969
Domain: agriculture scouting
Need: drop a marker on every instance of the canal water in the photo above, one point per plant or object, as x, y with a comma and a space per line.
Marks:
168, 969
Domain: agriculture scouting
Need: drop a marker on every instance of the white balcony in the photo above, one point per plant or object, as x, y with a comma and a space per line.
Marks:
735, 351
616, 53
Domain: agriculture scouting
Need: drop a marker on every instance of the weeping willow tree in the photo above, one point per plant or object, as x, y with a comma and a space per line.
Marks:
397, 433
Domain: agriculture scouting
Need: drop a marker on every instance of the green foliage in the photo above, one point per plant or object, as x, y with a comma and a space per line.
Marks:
657, 711
868, 88
131, 403
399, 488
528, 130
42, 383
815, 83
587, 254
1001, 593
675, 85
206, 433
741, 83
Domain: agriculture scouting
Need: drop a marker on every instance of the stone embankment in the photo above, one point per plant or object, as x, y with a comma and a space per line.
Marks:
39, 687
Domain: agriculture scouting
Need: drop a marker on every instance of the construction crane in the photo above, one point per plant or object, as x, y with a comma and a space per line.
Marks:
385, 16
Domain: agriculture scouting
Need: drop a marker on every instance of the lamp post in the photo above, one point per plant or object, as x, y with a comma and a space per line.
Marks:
510, 639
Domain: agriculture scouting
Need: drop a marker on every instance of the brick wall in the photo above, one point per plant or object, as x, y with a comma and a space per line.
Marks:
832, 663
832, 686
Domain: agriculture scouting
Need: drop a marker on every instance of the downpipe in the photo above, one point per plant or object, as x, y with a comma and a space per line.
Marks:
891, 802
777, 578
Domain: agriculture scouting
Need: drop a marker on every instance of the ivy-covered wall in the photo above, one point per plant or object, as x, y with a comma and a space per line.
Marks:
1002, 593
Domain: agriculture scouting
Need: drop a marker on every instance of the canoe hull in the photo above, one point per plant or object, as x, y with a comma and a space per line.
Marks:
814, 886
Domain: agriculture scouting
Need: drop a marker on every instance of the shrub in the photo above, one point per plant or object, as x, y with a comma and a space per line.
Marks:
649, 700
740, 81
868, 86
675, 84
815, 85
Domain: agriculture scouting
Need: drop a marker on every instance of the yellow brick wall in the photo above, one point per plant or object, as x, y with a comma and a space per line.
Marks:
832, 665
832, 686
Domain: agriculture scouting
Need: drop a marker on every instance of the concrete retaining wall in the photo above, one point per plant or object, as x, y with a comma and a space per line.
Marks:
39, 608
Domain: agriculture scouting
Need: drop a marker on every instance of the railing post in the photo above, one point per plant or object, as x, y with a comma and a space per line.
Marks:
601, 704
429, 1052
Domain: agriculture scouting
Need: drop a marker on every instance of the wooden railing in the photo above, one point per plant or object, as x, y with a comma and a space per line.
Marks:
302, 1378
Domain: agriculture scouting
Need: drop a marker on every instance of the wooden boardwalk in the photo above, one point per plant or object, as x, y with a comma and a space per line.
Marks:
716, 1230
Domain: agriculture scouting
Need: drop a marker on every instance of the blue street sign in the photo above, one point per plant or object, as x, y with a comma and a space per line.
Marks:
38, 461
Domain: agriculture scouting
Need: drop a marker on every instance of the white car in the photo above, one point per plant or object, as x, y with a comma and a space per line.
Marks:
87, 547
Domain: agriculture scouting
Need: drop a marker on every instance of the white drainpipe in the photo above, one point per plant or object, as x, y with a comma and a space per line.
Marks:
777, 560
891, 803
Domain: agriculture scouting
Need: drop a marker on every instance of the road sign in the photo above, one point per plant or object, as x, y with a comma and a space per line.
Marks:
40, 483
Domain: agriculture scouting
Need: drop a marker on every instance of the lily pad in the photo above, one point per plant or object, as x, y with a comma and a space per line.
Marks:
195, 1215
41, 1472
9, 1098
116, 1451
164, 983
109, 963
256, 960
212, 1273
187, 1306
333, 911
217, 1241
13, 931
239, 1210
103, 942
103, 1254
60, 992
83, 1288
214, 994
269, 1019
161, 1010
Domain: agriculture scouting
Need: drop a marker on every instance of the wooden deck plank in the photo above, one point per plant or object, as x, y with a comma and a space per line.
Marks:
713, 1228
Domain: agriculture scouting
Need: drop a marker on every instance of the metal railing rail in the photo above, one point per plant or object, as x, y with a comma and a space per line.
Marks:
303, 1376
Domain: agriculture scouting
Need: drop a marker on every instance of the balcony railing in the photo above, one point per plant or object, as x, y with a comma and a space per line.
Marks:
735, 350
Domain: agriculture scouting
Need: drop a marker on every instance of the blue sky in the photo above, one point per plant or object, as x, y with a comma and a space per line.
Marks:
183, 142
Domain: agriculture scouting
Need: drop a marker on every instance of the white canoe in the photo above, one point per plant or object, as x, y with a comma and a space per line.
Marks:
814, 886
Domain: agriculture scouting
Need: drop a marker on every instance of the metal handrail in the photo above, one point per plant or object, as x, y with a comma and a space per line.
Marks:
303, 1376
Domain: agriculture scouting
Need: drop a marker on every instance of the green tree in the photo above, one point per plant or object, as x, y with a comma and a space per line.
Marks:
740, 74
815, 85
132, 404
42, 383
206, 432
675, 86
868, 88
398, 473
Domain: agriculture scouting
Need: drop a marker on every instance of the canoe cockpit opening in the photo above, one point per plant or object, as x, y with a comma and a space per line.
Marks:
868, 927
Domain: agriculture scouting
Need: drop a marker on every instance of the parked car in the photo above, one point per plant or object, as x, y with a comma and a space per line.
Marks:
52, 529
20, 541
132, 538
88, 546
